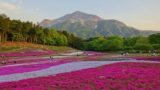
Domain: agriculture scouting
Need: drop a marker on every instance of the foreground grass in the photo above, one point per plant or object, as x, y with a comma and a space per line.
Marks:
20, 46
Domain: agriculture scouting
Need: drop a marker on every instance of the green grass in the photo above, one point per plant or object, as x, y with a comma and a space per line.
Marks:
4, 49
18, 46
60, 48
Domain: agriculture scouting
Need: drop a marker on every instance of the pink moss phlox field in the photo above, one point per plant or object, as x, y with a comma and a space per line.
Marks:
118, 76
23, 60
10, 61
92, 53
92, 58
29, 68
27, 53
151, 58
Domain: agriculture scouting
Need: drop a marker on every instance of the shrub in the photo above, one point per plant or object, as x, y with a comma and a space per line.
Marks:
143, 47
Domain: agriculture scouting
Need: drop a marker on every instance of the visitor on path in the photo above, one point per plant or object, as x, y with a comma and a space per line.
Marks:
51, 58
4, 61
154, 53
127, 53
78, 55
123, 54
14, 61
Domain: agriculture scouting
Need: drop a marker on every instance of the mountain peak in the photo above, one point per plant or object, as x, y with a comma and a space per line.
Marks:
46, 23
75, 17
78, 12
3, 15
47, 20
79, 16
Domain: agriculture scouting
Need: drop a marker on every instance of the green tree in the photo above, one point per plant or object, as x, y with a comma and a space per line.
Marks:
114, 43
154, 38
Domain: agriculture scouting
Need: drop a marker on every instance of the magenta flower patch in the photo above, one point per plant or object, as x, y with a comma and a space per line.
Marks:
92, 53
27, 53
150, 58
118, 76
29, 67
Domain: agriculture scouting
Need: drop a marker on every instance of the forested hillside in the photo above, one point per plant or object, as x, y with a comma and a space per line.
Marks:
16, 30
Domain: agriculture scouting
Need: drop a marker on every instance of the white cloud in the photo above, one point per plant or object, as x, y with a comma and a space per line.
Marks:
15, 10
19, 2
8, 6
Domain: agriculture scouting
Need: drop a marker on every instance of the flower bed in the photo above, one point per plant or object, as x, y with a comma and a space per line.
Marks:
27, 53
92, 58
11, 62
29, 67
38, 64
118, 76
90, 53
150, 58
20, 60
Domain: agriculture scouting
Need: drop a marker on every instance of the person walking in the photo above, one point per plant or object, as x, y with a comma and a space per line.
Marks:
51, 58
3, 60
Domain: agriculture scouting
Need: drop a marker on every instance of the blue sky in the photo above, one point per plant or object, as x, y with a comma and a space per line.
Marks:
141, 14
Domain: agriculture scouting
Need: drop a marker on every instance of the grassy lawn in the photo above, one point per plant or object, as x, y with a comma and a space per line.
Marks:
4, 49
20, 46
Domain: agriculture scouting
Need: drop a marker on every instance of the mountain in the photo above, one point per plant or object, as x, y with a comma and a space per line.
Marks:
3, 15
114, 27
148, 32
87, 25
46, 23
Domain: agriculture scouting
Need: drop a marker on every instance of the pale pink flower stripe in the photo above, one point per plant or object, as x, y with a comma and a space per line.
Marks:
28, 68
92, 53
118, 76
11, 62
40, 60
150, 58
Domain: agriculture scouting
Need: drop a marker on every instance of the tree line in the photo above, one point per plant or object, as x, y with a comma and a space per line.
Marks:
130, 44
16, 30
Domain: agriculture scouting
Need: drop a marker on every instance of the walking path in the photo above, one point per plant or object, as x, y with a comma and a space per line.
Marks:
64, 55
63, 68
